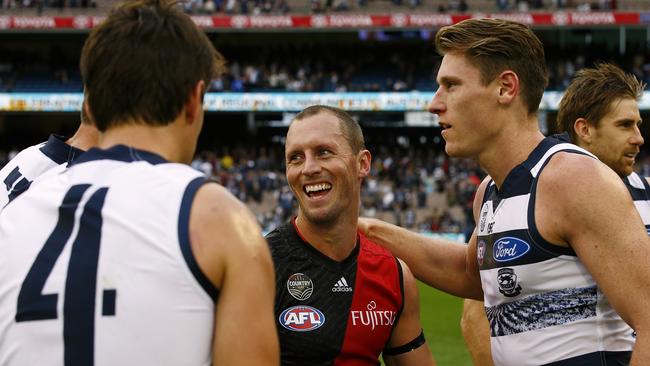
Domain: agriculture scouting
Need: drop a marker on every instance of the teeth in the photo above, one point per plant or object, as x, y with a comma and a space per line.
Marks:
317, 187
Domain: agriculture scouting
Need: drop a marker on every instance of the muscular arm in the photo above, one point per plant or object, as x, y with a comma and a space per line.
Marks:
596, 217
230, 250
409, 327
476, 332
445, 265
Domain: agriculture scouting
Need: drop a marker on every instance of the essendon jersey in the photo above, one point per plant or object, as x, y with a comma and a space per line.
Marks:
329, 312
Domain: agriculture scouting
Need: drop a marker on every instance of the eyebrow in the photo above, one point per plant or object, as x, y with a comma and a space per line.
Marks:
627, 120
446, 79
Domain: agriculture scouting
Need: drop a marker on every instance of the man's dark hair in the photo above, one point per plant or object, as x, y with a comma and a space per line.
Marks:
591, 94
142, 62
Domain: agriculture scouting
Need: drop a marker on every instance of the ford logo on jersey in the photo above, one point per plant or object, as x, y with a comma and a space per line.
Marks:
509, 248
302, 318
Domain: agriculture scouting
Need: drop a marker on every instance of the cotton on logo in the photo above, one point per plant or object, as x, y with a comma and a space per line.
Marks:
302, 318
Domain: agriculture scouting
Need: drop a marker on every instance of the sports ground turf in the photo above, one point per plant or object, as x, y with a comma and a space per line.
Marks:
440, 314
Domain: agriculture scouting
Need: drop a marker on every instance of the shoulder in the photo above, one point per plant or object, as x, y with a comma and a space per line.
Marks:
576, 173
480, 195
215, 202
223, 231
28, 157
575, 191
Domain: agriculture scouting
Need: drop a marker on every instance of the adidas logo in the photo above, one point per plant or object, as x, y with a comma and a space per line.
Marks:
341, 286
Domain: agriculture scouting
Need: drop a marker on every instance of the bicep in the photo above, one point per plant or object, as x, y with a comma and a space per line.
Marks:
230, 249
408, 328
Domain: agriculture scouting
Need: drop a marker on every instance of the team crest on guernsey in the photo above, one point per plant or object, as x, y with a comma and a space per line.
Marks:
300, 286
302, 318
507, 279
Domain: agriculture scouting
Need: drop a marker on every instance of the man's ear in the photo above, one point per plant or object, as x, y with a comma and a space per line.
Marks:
365, 161
583, 130
508, 84
194, 103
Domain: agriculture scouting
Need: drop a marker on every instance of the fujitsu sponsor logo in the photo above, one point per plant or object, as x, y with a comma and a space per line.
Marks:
373, 317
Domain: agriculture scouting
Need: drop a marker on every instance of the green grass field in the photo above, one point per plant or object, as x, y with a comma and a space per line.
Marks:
440, 315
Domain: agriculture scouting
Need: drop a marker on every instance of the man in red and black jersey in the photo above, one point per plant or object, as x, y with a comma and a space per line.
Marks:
340, 298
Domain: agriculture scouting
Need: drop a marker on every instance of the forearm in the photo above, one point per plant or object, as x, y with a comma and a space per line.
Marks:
439, 263
641, 354
476, 332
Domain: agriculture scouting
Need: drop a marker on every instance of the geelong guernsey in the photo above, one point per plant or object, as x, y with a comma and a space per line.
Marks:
640, 191
18, 174
96, 267
333, 313
543, 305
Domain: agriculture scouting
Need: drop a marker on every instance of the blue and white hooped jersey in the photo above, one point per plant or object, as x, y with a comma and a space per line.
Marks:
97, 270
18, 174
542, 304
640, 192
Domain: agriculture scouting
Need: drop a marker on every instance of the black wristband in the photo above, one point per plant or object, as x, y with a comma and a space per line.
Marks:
410, 346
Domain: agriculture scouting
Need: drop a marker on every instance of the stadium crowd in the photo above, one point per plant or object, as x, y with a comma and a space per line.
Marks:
419, 188
356, 67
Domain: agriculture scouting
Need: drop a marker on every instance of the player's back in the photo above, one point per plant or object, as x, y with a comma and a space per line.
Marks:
96, 267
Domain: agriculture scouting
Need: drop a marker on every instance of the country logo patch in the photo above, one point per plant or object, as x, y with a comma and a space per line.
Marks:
300, 286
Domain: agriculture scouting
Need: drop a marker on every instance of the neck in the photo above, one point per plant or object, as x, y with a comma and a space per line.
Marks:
336, 241
161, 140
510, 148
85, 137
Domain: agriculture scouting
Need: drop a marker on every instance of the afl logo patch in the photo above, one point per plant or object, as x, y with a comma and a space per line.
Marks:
509, 248
302, 318
300, 286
